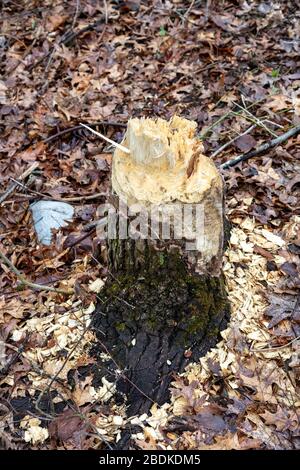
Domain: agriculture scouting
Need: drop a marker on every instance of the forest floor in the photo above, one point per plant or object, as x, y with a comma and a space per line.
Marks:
234, 68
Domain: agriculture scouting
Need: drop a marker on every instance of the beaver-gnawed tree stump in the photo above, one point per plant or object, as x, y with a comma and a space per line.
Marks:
164, 302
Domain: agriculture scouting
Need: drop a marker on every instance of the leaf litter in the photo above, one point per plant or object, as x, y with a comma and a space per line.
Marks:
148, 60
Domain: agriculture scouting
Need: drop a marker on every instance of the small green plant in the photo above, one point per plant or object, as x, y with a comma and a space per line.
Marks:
275, 73
162, 31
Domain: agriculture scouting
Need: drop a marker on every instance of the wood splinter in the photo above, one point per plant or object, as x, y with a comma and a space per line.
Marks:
112, 142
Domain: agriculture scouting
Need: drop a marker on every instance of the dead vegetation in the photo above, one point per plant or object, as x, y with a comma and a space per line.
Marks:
233, 68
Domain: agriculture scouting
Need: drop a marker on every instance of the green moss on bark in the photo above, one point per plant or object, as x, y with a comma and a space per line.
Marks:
162, 295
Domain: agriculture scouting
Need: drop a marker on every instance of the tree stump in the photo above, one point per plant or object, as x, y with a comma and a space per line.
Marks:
164, 302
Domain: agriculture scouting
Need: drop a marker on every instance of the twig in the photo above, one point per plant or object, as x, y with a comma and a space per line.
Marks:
83, 237
223, 147
115, 144
106, 11
14, 185
273, 123
77, 128
56, 375
263, 148
61, 382
255, 119
276, 348
66, 199
76, 14
95, 223
222, 118
29, 283
121, 372
37, 193
82, 198
186, 14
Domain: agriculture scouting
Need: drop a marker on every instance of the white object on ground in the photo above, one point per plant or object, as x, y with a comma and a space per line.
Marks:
48, 215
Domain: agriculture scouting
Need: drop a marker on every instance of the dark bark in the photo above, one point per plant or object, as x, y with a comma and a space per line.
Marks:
157, 315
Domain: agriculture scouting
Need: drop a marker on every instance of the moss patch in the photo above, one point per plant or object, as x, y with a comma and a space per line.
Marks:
164, 295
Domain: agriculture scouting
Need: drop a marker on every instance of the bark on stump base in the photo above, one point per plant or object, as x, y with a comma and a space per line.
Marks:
163, 304
156, 321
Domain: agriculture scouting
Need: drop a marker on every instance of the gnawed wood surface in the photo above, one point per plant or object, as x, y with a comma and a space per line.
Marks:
167, 166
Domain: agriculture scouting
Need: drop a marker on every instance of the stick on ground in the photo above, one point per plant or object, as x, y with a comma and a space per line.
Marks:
29, 283
262, 149
14, 185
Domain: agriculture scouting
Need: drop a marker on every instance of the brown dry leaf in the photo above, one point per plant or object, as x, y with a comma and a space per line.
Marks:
264, 433
14, 308
65, 425
245, 143
283, 420
33, 152
232, 442
83, 392
279, 102
98, 111
281, 307
55, 21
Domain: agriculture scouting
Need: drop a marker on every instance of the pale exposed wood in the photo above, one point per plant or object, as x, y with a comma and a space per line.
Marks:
166, 165
112, 142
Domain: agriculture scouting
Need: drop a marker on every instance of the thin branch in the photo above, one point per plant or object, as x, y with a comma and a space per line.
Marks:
82, 198
77, 128
255, 119
83, 237
75, 15
65, 199
230, 113
276, 348
223, 147
14, 185
37, 193
186, 14
95, 223
29, 283
106, 11
262, 149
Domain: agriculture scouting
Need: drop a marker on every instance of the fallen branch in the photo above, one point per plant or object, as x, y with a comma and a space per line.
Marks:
255, 120
14, 185
262, 149
223, 147
77, 128
65, 199
29, 283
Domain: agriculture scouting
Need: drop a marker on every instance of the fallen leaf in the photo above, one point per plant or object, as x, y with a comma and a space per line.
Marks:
245, 143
